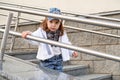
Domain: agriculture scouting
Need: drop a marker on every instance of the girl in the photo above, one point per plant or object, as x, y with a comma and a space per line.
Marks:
51, 56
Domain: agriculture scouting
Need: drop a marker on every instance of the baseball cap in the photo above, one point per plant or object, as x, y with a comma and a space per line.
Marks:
54, 11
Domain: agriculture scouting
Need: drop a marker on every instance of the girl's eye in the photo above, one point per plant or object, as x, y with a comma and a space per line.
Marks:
57, 22
50, 21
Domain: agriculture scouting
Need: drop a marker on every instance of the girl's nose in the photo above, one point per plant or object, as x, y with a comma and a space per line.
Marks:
53, 24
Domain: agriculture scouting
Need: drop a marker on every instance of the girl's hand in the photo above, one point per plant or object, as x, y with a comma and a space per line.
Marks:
25, 33
75, 54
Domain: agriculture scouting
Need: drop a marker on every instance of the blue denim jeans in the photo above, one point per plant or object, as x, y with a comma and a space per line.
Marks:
55, 63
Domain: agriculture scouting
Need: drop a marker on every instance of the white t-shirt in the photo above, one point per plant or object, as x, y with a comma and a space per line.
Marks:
56, 50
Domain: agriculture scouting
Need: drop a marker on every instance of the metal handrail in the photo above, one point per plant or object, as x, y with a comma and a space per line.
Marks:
80, 29
108, 13
82, 20
90, 52
75, 28
4, 40
20, 18
96, 32
86, 16
16, 5
91, 31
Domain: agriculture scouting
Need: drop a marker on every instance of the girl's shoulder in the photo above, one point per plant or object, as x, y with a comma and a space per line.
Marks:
39, 29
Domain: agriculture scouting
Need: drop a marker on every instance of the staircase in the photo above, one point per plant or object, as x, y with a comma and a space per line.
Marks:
81, 72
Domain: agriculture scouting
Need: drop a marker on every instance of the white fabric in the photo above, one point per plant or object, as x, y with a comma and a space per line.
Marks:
42, 53
56, 50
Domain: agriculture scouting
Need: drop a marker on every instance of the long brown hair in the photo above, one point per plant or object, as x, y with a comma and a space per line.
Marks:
45, 27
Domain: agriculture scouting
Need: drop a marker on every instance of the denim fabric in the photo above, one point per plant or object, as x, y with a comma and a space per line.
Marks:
55, 63
54, 11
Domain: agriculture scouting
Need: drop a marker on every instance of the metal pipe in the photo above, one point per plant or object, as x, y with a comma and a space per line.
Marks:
110, 13
90, 52
90, 31
76, 28
82, 20
102, 18
85, 30
79, 29
13, 37
4, 40
94, 17
87, 16
20, 18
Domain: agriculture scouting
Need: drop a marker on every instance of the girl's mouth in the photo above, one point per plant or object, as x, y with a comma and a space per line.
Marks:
53, 29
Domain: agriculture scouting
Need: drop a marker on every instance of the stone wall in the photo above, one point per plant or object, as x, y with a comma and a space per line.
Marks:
101, 43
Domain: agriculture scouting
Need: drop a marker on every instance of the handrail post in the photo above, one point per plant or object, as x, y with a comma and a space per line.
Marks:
13, 37
4, 40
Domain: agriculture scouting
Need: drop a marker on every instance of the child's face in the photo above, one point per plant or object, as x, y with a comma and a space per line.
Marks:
53, 25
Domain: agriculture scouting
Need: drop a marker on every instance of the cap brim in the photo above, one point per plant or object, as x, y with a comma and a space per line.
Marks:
50, 18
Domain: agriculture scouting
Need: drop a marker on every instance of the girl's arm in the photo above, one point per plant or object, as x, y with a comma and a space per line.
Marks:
72, 53
24, 35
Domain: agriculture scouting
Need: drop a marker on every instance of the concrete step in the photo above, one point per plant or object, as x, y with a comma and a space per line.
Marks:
36, 61
2, 78
80, 71
18, 69
24, 55
95, 77
76, 70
